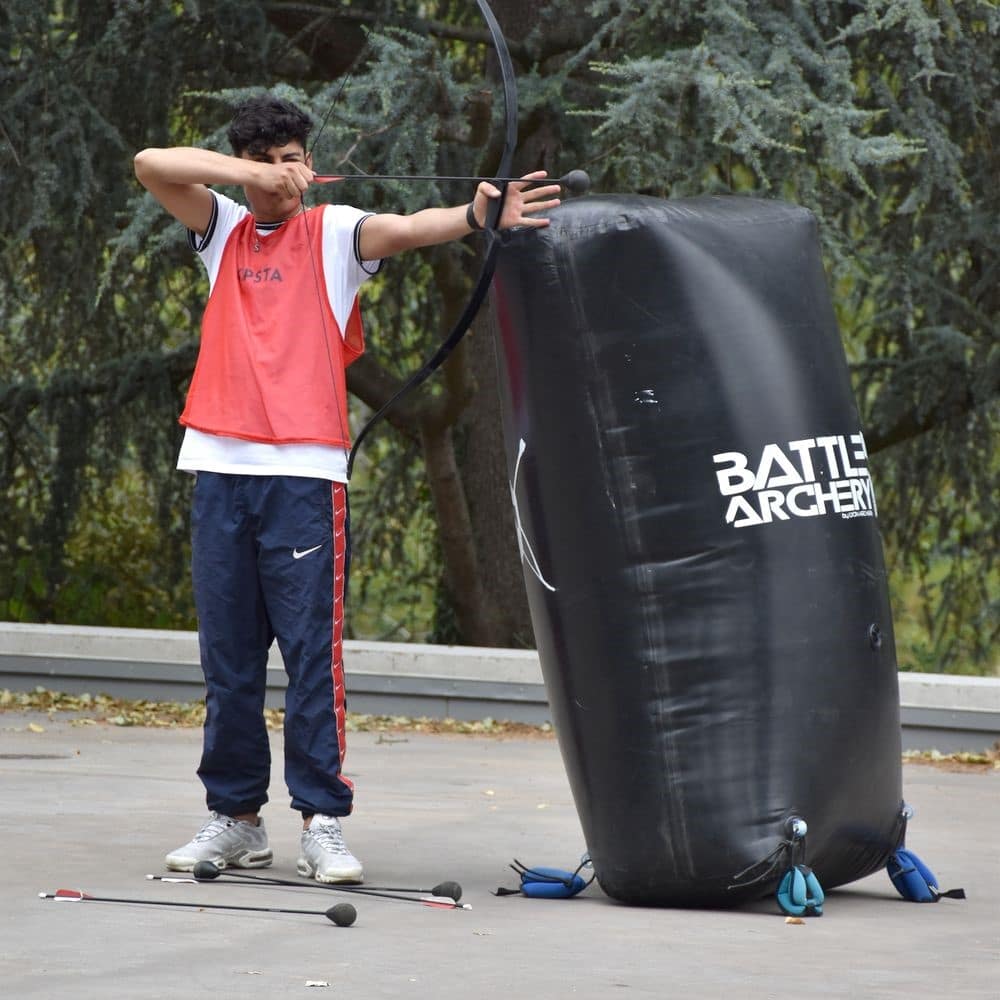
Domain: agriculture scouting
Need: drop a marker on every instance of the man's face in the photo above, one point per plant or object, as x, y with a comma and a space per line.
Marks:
267, 205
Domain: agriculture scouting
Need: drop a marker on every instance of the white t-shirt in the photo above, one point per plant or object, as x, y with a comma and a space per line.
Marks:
343, 274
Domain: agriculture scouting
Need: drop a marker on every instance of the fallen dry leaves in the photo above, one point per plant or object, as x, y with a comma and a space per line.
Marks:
988, 760
102, 709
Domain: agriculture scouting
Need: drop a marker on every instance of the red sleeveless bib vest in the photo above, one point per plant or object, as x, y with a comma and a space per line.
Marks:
271, 363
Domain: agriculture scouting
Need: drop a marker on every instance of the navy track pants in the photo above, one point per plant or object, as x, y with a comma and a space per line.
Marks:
270, 557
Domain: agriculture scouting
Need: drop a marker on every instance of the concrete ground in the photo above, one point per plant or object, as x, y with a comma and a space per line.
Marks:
95, 808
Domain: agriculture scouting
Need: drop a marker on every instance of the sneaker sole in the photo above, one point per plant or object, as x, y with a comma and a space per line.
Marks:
353, 875
249, 859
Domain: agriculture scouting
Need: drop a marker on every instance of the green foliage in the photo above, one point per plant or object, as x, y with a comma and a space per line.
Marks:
880, 116
94, 362
395, 559
101, 299
116, 570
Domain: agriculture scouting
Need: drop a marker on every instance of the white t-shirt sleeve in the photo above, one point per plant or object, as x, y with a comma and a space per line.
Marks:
226, 215
343, 270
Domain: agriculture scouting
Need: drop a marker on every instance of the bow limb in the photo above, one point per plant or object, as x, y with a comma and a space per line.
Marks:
509, 82
493, 213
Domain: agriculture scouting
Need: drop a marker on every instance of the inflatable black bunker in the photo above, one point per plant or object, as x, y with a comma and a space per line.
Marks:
700, 542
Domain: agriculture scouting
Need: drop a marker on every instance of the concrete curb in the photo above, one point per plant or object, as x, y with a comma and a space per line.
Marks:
938, 711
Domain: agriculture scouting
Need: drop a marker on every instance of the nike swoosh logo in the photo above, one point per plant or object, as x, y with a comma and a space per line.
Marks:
298, 555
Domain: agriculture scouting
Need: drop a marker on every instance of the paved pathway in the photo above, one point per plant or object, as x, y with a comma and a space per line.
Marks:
96, 808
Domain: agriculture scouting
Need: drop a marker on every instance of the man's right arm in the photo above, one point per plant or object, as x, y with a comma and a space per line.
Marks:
177, 179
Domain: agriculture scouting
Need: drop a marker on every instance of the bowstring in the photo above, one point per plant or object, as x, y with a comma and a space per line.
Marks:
321, 289
494, 211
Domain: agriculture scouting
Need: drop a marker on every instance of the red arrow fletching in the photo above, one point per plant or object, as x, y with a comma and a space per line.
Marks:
70, 894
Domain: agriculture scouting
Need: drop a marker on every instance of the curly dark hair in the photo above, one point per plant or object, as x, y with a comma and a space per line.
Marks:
265, 121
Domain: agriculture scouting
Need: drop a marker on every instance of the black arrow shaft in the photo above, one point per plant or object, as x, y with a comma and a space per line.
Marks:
354, 890
270, 880
421, 177
87, 898
575, 182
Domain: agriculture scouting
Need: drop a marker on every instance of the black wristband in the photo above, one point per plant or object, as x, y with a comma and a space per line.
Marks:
470, 217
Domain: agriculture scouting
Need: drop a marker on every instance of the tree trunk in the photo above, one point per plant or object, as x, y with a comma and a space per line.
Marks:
482, 456
464, 578
484, 474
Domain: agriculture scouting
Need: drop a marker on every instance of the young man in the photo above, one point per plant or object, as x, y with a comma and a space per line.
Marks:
267, 437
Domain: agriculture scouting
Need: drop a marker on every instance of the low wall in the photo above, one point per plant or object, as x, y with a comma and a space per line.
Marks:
938, 711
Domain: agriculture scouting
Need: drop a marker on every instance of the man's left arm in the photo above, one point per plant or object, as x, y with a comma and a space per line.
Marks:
386, 235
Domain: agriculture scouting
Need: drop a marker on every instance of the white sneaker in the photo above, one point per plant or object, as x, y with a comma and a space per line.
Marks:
224, 841
324, 855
